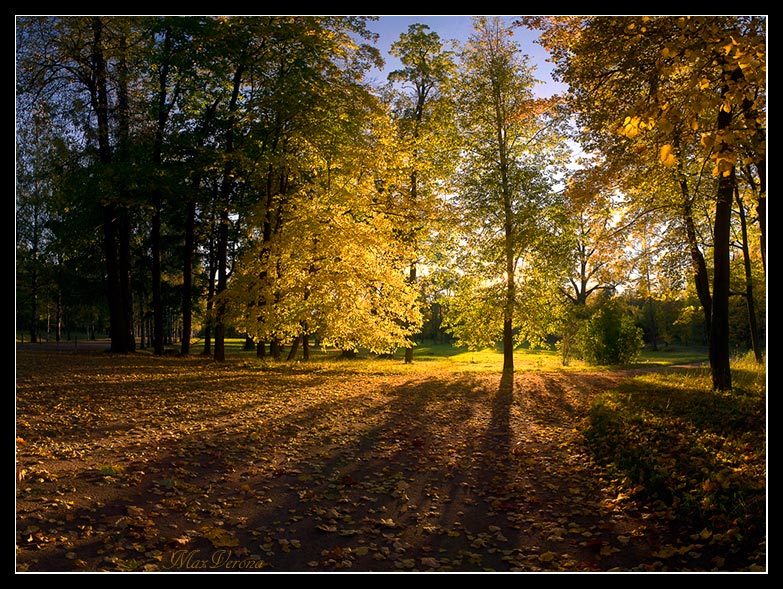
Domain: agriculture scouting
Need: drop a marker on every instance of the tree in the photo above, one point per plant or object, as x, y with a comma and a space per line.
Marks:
610, 336
67, 61
503, 194
694, 88
312, 169
335, 267
424, 116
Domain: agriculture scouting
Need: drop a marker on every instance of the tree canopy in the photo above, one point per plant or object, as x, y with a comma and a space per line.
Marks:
206, 176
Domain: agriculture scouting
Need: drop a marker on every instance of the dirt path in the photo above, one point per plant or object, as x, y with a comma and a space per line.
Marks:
165, 466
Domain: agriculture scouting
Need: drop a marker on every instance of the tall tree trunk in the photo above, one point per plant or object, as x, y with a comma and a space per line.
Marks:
222, 283
99, 95
123, 212
224, 198
749, 299
511, 294
700, 276
508, 307
211, 274
761, 211
157, 200
409, 350
190, 239
187, 276
157, 298
34, 279
719, 327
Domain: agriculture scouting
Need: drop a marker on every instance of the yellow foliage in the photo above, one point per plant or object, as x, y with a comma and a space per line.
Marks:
667, 157
724, 164
631, 127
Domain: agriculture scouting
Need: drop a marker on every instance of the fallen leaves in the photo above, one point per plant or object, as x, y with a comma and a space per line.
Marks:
221, 538
315, 471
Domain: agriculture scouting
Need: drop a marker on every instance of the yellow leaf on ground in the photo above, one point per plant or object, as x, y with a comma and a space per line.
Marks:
221, 538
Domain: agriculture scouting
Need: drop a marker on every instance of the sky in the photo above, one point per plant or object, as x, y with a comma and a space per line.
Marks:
459, 27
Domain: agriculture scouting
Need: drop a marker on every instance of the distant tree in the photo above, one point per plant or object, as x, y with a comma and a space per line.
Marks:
610, 336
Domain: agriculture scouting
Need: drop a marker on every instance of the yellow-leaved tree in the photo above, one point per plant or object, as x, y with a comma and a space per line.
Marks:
336, 268
683, 97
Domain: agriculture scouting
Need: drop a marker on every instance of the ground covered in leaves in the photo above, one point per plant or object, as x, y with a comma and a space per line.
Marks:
142, 463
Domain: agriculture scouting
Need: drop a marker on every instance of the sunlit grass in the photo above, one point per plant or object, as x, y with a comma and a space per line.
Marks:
441, 357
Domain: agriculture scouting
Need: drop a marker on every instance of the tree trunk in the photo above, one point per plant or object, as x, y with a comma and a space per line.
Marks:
700, 276
749, 299
58, 319
409, 350
157, 299
124, 226
508, 307
34, 281
223, 223
190, 240
719, 328
187, 277
761, 211
99, 95
222, 282
294, 348
207, 351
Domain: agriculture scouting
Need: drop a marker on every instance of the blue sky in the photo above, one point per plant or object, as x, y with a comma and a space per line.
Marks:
459, 28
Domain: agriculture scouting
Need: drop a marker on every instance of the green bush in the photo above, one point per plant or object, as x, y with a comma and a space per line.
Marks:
611, 337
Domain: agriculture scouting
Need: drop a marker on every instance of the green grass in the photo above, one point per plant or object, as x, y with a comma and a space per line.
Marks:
426, 356
430, 356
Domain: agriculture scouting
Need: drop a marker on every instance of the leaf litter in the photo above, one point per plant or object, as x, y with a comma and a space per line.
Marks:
180, 464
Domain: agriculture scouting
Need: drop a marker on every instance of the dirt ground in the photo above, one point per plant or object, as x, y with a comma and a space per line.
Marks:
172, 465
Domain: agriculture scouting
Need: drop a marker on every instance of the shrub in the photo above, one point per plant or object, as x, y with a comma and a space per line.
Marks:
610, 337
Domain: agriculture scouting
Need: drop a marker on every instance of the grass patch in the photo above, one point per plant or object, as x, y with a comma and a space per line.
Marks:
445, 356
668, 439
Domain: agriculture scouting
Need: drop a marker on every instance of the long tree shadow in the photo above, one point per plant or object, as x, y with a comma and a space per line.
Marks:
499, 430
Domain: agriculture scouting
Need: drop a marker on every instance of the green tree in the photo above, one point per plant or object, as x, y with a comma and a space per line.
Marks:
66, 61
511, 215
610, 336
